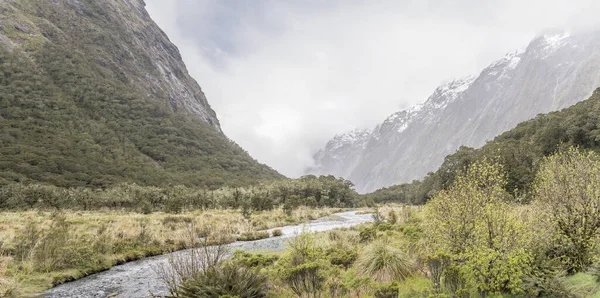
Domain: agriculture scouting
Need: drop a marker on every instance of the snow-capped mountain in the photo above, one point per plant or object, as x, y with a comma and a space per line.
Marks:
340, 151
553, 72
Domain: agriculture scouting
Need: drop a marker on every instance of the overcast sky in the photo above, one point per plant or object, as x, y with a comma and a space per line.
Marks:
286, 76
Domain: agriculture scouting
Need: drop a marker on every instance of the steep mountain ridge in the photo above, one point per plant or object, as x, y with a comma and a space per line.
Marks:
553, 72
520, 151
94, 93
346, 148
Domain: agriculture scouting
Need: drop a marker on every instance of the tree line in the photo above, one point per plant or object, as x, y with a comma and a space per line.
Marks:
309, 191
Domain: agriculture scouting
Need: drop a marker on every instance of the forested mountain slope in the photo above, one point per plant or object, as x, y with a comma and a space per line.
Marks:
93, 93
519, 150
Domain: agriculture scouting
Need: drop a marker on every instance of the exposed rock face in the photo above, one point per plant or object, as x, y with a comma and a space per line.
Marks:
138, 49
342, 153
553, 72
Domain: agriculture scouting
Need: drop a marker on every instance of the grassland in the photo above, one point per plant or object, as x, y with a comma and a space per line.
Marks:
41, 249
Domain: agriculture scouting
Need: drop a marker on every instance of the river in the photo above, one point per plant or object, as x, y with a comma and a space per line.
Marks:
138, 278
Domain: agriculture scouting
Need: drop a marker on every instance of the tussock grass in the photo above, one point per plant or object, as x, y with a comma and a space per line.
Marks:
584, 285
384, 262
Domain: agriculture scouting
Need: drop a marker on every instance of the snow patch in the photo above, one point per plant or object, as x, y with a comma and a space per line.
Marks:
552, 42
502, 68
448, 92
357, 136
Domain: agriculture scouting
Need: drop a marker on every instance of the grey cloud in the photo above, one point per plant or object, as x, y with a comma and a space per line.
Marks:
285, 76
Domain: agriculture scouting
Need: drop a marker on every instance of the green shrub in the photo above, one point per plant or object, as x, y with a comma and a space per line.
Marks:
377, 216
307, 278
367, 234
387, 290
491, 248
177, 219
437, 265
251, 236
382, 227
341, 257
549, 283
288, 208
417, 286
145, 208
566, 189
412, 232
277, 233
253, 260
455, 281
303, 267
392, 217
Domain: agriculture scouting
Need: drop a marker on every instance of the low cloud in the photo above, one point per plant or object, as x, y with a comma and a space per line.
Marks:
285, 76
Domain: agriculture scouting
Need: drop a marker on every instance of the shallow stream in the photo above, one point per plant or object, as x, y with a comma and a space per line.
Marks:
138, 278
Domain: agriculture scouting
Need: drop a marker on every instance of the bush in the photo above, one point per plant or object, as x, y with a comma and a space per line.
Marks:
455, 281
491, 247
382, 227
277, 233
303, 267
387, 290
567, 190
367, 234
437, 265
341, 257
251, 236
377, 216
392, 217
412, 232
307, 278
177, 219
253, 260
549, 283
417, 286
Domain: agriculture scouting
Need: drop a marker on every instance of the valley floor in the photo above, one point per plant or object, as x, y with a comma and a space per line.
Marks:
387, 258
41, 249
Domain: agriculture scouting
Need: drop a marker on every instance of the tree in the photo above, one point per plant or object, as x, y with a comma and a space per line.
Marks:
475, 224
303, 268
568, 190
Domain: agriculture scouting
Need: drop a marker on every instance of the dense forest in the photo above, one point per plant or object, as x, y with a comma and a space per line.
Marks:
518, 150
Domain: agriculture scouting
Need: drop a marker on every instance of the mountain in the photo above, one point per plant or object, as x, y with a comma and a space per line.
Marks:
553, 72
519, 150
342, 153
93, 93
